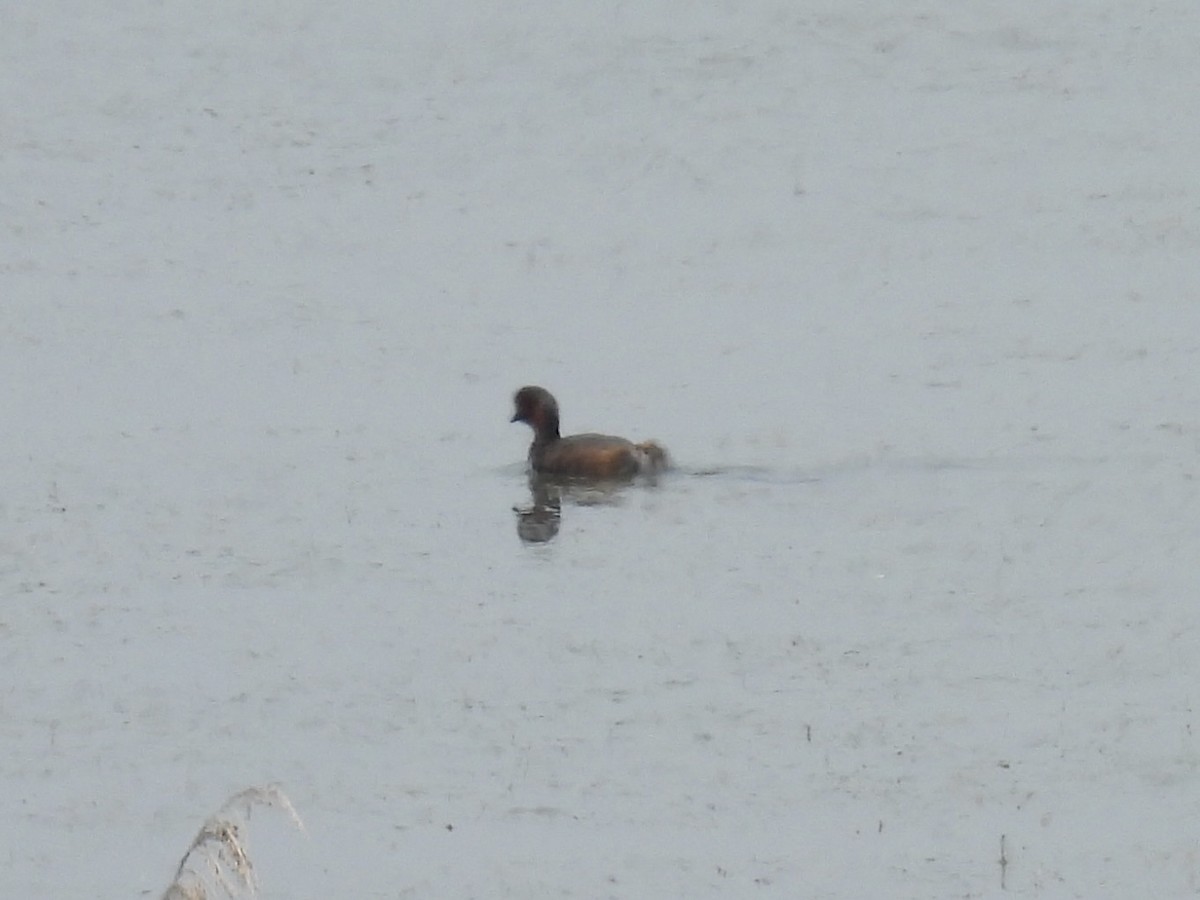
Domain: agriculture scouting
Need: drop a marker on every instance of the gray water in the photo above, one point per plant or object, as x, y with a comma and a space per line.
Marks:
909, 297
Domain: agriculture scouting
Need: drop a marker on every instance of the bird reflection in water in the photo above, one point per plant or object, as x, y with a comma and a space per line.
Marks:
539, 522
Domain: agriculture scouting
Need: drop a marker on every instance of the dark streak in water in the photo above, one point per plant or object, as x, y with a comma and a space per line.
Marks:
931, 465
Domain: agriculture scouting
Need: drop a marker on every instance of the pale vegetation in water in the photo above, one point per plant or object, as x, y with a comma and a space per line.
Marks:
217, 864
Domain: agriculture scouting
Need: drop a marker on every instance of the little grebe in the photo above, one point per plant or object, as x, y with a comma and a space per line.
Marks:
580, 455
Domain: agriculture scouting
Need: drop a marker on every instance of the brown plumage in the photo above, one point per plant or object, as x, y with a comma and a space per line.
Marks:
580, 455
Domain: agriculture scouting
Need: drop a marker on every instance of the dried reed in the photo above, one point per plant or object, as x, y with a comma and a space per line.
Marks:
216, 865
